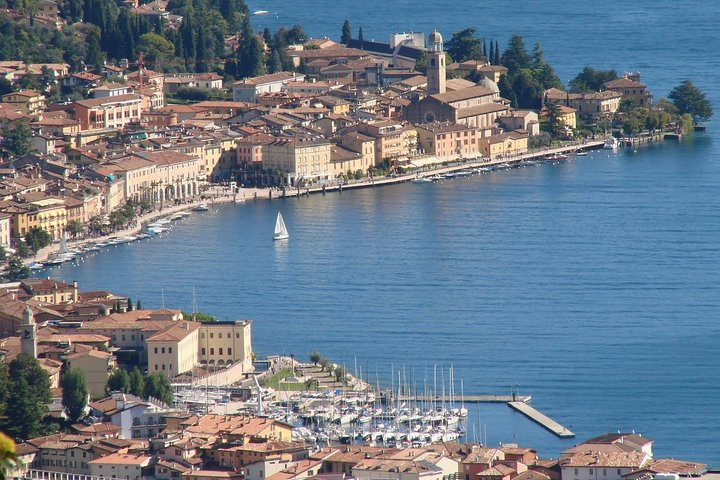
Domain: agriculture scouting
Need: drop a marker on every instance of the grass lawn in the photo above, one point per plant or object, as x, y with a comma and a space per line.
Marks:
274, 382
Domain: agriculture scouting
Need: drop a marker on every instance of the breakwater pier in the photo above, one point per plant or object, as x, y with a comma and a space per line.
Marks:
541, 419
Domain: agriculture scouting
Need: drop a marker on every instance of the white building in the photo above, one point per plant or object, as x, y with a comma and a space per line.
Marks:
247, 90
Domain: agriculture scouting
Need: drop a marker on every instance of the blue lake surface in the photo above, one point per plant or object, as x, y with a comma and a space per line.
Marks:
592, 285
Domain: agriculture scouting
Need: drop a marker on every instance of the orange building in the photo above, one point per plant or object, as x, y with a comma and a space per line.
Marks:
108, 112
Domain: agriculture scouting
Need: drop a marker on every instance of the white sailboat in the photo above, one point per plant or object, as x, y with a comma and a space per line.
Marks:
281, 232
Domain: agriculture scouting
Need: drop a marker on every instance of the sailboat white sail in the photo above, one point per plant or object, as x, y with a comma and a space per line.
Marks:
281, 232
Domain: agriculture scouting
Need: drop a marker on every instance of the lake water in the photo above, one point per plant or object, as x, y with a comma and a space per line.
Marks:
592, 285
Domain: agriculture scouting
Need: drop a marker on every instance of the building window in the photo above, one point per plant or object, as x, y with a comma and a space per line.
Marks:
156, 350
237, 335
220, 351
212, 351
229, 351
156, 367
162, 350
605, 472
576, 471
591, 471
163, 367
202, 351
169, 349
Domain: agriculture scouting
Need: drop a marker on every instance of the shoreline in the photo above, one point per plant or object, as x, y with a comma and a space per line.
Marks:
427, 167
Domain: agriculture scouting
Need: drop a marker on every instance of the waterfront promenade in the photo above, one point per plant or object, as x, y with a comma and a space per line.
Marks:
425, 167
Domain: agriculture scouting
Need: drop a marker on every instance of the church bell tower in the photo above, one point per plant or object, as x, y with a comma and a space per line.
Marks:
436, 64
28, 332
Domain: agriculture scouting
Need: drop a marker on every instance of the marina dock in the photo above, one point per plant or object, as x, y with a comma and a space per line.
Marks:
541, 419
473, 398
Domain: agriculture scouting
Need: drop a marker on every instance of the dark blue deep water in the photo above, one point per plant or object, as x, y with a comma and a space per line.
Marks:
593, 285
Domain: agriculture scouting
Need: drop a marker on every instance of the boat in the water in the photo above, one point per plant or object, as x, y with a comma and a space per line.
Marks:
611, 143
421, 180
260, 12
200, 208
281, 232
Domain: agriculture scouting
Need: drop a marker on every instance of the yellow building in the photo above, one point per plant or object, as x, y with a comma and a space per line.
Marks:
48, 214
567, 115
226, 343
96, 366
174, 350
300, 158
25, 101
504, 145
50, 291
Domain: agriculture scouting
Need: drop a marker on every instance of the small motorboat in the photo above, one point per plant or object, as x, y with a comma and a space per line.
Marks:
200, 208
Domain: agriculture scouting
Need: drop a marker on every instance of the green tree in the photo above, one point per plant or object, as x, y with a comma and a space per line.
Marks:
156, 49
138, 306
687, 98
75, 227
129, 304
118, 381
22, 250
421, 63
340, 374
17, 141
158, 386
496, 58
315, 357
5, 86
30, 387
361, 37
542, 71
591, 80
199, 317
346, 34
252, 58
3, 254
515, 57
553, 125
137, 382
325, 364
17, 270
93, 53
506, 90
464, 45
37, 238
75, 394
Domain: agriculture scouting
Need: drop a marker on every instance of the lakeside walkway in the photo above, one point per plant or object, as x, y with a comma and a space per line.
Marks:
428, 166
425, 167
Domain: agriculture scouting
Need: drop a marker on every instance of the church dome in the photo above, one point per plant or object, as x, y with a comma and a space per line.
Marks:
489, 84
435, 37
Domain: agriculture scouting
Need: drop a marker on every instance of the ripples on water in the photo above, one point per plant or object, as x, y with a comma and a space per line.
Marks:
593, 285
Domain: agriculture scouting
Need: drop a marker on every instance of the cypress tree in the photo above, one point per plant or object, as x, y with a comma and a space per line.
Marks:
491, 57
497, 53
346, 34
75, 393
137, 383
485, 52
360, 35
129, 304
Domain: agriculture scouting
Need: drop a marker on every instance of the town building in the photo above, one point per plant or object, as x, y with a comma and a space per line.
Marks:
631, 88
96, 365
226, 343
27, 102
114, 112
448, 139
589, 106
122, 466
299, 158
249, 89
174, 350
